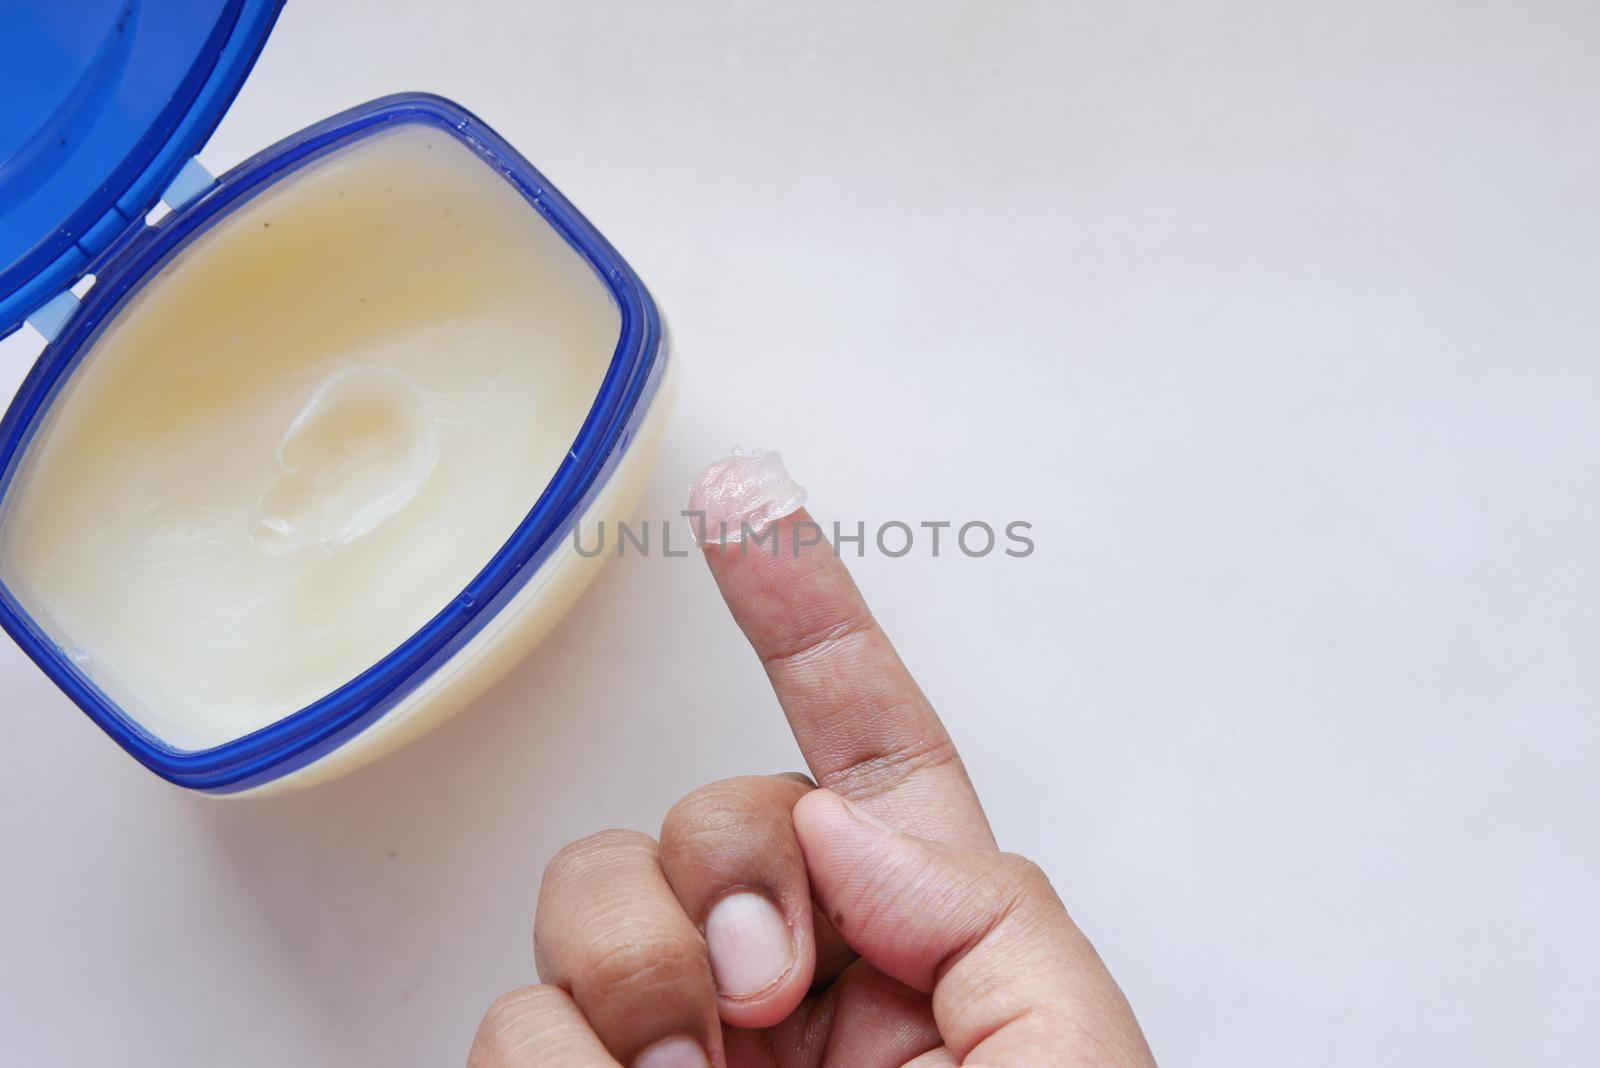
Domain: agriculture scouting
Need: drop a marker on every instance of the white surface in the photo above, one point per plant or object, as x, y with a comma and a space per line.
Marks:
1277, 320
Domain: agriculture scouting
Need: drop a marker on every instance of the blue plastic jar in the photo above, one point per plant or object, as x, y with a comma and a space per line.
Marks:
110, 108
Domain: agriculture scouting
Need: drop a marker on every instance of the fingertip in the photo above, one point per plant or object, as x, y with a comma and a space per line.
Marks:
865, 877
814, 814
820, 798
739, 496
824, 814
845, 848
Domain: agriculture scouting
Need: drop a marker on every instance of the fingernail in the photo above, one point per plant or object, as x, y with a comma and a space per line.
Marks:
750, 944
680, 1052
864, 816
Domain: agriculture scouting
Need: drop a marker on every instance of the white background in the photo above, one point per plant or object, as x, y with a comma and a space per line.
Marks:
1280, 323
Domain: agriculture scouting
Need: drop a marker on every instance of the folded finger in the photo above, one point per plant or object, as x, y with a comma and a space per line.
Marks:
729, 852
536, 1025
610, 930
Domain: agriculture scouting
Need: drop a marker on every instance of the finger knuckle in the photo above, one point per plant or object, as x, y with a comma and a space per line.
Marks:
709, 846
714, 806
818, 642
509, 1026
1020, 869
576, 857
1021, 887
725, 825
881, 772
639, 964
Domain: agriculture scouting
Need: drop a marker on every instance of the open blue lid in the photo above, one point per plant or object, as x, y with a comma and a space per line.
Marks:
104, 102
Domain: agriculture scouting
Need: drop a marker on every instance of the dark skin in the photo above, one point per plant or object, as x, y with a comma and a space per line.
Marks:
862, 916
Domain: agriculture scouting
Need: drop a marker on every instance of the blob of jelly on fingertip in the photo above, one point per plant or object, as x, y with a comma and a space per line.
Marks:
744, 491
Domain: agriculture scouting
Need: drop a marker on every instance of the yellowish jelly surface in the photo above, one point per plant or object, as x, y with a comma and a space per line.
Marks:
305, 436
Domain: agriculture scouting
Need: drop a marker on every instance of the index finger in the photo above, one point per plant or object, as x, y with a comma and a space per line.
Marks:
864, 726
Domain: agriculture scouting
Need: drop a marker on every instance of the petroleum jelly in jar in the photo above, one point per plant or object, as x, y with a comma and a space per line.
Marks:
305, 436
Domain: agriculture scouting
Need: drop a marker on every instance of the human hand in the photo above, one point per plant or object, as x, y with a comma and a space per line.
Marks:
870, 922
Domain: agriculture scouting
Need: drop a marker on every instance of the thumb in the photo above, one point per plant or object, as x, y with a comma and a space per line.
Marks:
1013, 979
